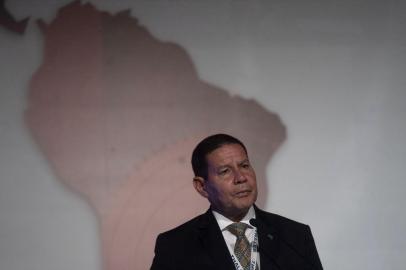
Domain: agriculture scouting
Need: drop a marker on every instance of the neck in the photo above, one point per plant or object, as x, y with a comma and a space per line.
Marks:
233, 216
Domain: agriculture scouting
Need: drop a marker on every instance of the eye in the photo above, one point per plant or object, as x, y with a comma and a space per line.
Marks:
245, 165
224, 171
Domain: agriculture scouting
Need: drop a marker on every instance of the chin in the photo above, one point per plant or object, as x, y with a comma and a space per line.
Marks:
244, 206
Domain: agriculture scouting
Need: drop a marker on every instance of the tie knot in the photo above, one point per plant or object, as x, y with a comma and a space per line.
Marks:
237, 228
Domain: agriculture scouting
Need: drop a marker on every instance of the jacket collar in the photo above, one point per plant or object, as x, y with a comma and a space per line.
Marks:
212, 241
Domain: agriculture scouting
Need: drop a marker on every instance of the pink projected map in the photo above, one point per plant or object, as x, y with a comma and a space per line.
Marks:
117, 112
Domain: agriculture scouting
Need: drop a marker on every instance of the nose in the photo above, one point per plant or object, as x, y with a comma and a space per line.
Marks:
239, 177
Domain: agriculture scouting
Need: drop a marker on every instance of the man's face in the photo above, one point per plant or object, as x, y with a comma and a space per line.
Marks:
231, 184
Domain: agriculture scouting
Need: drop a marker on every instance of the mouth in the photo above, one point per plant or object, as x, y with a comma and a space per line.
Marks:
243, 193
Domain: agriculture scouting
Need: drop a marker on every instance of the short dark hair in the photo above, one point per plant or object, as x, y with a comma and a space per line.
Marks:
205, 147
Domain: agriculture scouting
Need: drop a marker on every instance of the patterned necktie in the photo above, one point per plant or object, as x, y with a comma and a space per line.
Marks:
242, 248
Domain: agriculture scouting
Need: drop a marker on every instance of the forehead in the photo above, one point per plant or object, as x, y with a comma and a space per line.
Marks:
225, 154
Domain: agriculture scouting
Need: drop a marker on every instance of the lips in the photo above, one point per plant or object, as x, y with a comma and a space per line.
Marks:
243, 193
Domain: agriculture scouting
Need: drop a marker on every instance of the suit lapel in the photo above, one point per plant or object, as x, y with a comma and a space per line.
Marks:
269, 244
213, 243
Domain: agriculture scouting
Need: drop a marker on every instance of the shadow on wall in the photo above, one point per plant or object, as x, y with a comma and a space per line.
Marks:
117, 113
8, 21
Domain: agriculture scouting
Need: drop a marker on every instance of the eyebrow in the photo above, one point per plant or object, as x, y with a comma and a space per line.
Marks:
244, 161
227, 165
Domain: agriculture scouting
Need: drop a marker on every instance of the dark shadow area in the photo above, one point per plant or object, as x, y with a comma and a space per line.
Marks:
8, 21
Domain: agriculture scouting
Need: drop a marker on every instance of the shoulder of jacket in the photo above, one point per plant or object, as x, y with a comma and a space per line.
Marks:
280, 222
189, 226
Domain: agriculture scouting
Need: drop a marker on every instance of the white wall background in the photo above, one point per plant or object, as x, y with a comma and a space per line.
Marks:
333, 70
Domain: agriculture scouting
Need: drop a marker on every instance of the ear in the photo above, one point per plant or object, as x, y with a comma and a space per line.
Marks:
200, 185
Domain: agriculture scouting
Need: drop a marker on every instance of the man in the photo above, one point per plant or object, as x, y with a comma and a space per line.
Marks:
233, 233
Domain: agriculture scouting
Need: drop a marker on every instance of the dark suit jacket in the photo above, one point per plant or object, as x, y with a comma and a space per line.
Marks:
199, 244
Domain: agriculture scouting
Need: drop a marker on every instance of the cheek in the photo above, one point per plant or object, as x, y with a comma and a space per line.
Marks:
252, 177
213, 191
220, 192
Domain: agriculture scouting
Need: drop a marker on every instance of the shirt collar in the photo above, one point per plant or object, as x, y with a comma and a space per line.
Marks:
223, 222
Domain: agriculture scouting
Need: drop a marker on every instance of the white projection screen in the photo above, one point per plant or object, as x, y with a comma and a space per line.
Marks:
102, 103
